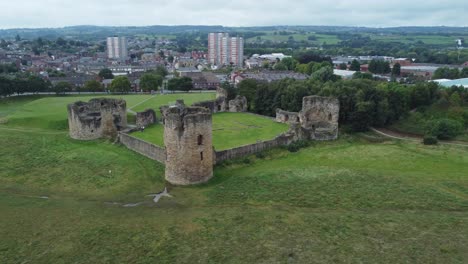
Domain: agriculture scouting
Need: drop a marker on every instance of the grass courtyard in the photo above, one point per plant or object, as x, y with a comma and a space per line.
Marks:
347, 201
229, 130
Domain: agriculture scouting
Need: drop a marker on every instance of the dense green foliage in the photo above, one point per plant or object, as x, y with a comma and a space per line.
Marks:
93, 86
379, 66
149, 82
20, 85
444, 128
120, 84
106, 74
448, 73
452, 104
180, 84
363, 102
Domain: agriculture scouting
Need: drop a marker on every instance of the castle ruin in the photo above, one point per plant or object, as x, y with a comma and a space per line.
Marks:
222, 104
188, 141
318, 119
99, 118
146, 118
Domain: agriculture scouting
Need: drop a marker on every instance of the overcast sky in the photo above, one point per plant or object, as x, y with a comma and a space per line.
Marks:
373, 13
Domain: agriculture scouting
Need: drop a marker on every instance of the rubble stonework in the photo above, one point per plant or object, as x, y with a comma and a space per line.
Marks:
188, 141
287, 117
221, 103
238, 105
99, 118
318, 118
146, 118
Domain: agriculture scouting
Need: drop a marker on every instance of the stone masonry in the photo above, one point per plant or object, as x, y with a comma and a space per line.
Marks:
146, 118
188, 141
238, 105
99, 118
318, 118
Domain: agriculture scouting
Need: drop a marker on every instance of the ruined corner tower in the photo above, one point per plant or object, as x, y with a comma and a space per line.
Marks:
189, 147
99, 118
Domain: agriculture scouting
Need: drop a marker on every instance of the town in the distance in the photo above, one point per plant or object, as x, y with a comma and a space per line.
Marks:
205, 60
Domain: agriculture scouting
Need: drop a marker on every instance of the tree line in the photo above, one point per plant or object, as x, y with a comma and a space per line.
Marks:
364, 103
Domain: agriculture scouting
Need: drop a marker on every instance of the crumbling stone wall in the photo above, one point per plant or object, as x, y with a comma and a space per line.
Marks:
188, 141
221, 93
238, 105
146, 118
287, 117
144, 148
99, 118
318, 118
218, 105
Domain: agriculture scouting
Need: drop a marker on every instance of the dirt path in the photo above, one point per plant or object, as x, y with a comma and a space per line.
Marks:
407, 136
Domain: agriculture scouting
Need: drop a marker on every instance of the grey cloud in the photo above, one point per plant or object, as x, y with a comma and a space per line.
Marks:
56, 13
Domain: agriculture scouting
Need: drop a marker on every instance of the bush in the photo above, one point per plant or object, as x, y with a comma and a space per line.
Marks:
430, 140
260, 155
444, 128
246, 160
296, 146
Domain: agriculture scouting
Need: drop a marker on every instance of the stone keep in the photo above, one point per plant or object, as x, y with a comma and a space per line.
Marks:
189, 148
99, 118
318, 119
320, 116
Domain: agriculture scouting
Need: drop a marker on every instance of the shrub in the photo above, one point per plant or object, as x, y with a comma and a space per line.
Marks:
246, 160
260, 155
430, 140
444, 128
296, 146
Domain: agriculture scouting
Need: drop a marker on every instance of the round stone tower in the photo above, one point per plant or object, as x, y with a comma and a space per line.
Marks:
189, 147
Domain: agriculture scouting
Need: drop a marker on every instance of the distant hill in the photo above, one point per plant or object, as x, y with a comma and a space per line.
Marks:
98, 32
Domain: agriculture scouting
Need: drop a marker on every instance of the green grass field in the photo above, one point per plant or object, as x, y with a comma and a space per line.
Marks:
51, 112
347, 201
229, 130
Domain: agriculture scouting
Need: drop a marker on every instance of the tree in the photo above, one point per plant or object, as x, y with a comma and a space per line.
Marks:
248, 89
355, 66
444, 128
455, 99
180, 84
464, 73
185, 84
324, 74
396, 71
343, 66
61, 42
150, 82
120, 84
106, 74
280, 66
62, 87
17, 38
93, 86
161, 71
170, 59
